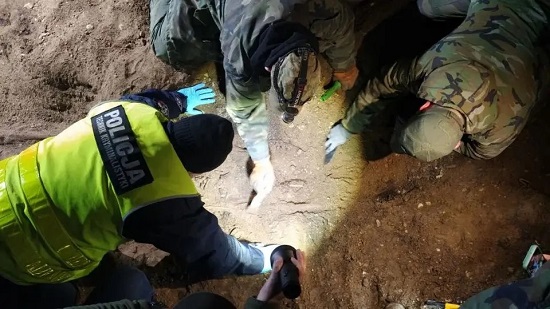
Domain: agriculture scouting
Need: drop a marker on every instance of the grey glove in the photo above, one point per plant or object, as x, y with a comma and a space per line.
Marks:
337, 136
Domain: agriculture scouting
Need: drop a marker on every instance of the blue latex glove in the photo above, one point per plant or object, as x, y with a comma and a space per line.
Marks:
198, 95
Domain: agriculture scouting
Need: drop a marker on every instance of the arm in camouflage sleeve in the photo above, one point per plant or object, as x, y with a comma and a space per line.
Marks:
486, 147
528, 293
491, 143
246, 107
338, 29
398, 79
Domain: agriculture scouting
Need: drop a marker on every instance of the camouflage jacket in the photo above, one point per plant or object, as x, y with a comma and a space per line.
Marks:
241, 22
487, 70
528, 293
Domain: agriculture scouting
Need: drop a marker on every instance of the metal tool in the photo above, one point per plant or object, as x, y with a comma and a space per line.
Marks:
331, 90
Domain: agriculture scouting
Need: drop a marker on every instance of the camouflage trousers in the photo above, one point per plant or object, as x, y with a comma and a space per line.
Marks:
437, 9
182, 34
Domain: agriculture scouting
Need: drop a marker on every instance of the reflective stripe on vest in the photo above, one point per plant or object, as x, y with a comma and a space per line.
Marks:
59, 212
44, 218
19, 244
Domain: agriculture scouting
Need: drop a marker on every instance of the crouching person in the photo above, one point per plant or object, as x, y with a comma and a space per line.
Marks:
120, 173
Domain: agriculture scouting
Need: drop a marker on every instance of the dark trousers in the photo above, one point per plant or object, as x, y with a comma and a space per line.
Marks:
123, 283
183, 34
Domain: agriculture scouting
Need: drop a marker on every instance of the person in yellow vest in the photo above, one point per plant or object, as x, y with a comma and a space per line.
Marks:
120, 173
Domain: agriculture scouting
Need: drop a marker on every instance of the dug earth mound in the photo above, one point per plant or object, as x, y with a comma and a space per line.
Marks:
374, 232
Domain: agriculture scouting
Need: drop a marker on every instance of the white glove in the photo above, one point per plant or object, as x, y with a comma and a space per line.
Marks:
262, 177
336, 137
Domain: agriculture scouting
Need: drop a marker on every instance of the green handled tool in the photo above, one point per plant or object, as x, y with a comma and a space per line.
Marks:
330, 91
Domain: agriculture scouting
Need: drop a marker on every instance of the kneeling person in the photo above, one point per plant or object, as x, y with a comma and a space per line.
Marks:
480, 83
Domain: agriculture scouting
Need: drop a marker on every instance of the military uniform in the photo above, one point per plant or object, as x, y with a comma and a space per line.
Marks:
443, 8
240, 24
487, 72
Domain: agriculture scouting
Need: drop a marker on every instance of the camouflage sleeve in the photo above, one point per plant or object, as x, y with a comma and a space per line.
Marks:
443, 8
247, 108
333, 23
528, 293
492, 141
488, 145
401, 78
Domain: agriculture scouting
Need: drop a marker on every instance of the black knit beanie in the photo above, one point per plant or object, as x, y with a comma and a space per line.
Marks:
202, 142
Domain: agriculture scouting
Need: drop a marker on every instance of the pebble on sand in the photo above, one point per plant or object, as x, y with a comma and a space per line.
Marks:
395, 306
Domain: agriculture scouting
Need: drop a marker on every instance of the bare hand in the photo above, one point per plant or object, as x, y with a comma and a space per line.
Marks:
347, 78
271, 287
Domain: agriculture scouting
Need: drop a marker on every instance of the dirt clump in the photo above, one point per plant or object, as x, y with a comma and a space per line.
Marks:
375, 232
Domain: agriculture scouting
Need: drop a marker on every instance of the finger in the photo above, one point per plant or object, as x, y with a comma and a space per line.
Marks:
300, 255
209, 95
210, 98
300, 261
256, 201
295, 262
205, 90
199, 86
205, 101
302, 258
194, 112
329, 147
277, 265
301, 269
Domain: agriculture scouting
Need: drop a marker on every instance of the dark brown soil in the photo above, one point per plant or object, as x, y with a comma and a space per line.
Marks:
393, 229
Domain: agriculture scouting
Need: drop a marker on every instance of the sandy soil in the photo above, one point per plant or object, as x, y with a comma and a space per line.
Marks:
375, 231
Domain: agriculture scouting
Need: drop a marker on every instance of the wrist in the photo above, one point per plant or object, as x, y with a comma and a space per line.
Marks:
346, 125
344, 69
181, 101
346, 131
268, 289
259, 150
264, 161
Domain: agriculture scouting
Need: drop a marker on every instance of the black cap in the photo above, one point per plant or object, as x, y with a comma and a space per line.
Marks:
202, 142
